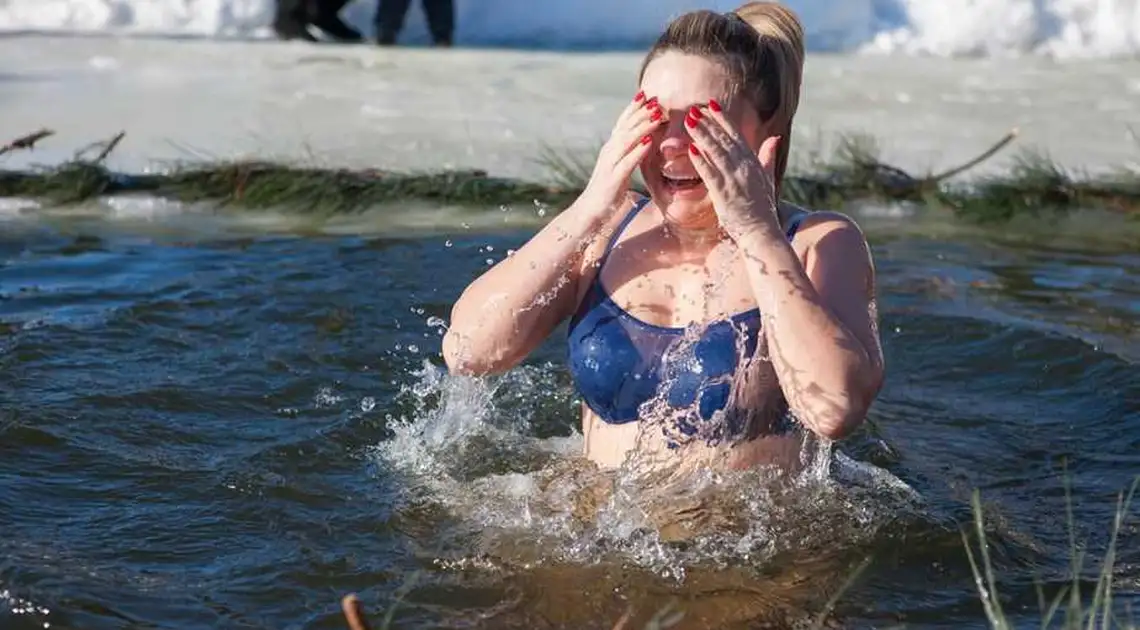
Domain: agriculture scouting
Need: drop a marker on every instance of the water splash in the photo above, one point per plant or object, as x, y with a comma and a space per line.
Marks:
18, 606
498, 466
474, 447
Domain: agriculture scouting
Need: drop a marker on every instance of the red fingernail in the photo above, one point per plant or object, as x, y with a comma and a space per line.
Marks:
690, 121
637, 97
693, 149
713, 105
651, 102
656, 115
695, 113
646, 139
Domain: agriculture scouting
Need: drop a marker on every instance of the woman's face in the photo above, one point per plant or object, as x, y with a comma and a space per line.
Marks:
680, 81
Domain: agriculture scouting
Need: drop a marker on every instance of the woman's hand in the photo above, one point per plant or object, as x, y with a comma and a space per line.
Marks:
741, 183
629, 143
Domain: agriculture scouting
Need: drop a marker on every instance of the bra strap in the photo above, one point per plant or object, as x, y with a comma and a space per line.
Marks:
621, 229
794, 223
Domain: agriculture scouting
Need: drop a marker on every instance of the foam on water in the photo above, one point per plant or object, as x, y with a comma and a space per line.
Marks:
1064, 28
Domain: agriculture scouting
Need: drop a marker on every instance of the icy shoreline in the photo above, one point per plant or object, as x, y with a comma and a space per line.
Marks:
418, 109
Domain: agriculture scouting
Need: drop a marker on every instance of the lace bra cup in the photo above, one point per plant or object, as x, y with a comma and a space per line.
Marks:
618, 362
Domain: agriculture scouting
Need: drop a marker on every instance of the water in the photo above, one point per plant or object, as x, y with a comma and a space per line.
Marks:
227, 428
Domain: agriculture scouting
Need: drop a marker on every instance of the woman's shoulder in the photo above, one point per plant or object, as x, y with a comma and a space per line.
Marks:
831, 236
811, 222
610, 231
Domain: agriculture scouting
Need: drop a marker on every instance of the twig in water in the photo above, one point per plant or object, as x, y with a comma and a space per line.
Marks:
111, 144
985, 155
26, 142
107, 147
354, 613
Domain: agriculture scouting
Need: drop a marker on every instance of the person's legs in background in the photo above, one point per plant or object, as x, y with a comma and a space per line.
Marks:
325, 15
293, 17
390, 20
290, 20
390, 16
441, 20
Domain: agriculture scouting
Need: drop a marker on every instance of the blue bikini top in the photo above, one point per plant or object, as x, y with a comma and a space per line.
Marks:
618, 362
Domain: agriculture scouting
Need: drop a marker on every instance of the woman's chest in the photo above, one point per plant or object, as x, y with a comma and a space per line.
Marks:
681, 295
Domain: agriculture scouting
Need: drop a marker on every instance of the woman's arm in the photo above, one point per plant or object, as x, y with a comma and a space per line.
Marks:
819, 319
509, 310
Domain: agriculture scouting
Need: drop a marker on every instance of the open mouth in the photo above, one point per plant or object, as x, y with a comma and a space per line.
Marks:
681, 183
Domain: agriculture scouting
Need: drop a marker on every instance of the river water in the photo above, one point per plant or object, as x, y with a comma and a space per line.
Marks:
232, 420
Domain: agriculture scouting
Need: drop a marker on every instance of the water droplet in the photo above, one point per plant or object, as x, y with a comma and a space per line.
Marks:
447, 243
414, 349
490, 262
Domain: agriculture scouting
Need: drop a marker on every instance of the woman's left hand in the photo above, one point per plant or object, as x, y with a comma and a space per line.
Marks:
740, 183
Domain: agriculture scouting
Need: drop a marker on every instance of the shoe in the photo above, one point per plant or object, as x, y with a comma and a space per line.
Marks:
335, 28
287, 30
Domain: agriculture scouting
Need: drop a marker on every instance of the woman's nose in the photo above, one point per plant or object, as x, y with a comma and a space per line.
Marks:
674, 137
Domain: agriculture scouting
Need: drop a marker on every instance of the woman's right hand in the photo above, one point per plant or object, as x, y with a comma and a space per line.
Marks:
495, 323
629, 143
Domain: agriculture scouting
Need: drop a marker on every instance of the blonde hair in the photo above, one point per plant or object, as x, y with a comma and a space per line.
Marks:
760, 45
781, 30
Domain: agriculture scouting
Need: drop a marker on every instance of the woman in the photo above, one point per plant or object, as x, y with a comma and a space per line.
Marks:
701, 315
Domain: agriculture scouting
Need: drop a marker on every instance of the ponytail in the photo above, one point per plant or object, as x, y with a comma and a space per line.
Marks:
781, 31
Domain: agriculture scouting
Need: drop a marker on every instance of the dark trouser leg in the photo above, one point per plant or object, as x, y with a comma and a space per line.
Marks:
324, 15
290, 20
441, 20
390, 20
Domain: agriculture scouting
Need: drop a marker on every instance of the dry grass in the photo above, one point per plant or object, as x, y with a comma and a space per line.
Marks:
1033, 185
